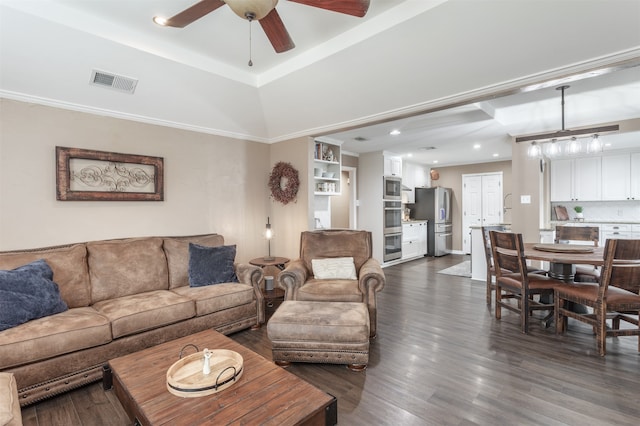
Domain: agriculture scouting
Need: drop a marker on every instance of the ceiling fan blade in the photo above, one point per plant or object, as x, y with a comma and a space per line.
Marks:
350, 7
194, 13
276, 32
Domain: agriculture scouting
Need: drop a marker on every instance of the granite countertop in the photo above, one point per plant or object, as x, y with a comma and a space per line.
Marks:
415, 221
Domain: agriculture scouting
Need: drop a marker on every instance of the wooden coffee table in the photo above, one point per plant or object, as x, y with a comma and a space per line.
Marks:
265, 393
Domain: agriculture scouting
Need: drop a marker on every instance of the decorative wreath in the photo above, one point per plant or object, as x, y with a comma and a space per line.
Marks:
284, 182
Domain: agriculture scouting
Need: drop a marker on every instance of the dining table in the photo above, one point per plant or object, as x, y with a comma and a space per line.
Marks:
564, 257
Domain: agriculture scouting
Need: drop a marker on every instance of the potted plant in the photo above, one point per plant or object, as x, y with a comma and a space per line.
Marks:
578, 210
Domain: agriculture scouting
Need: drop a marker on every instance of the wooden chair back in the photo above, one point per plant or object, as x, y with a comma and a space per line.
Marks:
508, 253
486, 239
577, 233
621, 265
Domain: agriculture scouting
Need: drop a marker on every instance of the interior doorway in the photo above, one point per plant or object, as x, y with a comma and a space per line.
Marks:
343, 206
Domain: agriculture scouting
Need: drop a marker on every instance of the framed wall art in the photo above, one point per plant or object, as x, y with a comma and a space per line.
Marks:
87, 175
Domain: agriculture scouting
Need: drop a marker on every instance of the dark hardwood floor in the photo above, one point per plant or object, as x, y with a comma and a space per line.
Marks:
441, 358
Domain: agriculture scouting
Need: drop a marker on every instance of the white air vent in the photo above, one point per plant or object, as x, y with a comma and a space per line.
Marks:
113, 81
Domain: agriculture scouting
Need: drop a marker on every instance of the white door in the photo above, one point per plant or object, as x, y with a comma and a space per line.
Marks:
482, 203
471, 207
492, 199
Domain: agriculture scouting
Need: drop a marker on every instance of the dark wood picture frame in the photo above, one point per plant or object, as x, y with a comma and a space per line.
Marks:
120, 176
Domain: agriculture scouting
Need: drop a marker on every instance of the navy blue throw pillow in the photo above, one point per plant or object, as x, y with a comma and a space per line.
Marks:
211, 265
28, 292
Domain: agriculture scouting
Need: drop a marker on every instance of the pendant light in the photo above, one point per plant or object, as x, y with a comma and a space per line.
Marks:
546, 143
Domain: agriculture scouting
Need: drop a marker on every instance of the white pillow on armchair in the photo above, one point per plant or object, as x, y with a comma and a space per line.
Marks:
336, 268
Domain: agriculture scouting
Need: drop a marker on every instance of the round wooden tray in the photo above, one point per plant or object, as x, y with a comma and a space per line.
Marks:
186, 379
564, 248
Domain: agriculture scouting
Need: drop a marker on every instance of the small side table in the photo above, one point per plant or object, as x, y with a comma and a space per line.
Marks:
278, 262
272, 298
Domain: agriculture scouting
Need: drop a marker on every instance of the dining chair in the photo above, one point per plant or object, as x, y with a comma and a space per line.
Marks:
513, 279
571, 234
614, 297
491, 271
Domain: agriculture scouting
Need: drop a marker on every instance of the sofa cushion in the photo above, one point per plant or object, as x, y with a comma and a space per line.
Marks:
341, 268
69, 331
28, 292
69, 265
211, 265
125, 267
177, 252
330, 291
145, 311
214, 298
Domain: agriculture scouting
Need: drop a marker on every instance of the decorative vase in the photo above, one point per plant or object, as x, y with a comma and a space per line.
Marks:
206, 368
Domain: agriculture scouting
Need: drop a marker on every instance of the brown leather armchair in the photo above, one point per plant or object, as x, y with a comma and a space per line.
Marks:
299, 282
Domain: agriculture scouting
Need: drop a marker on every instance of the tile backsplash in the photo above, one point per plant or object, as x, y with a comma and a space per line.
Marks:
602, 211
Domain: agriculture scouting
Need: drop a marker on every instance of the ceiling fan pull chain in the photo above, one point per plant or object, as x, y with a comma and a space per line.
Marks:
250, 19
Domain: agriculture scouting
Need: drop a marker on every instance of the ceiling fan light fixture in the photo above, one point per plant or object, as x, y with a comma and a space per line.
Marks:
159, 20
251, 9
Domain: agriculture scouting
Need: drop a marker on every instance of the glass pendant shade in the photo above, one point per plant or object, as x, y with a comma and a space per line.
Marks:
573, 147
534, 150
595, 145
552, 149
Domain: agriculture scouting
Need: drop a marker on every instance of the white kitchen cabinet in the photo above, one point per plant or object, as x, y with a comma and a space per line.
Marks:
616, 177
619, 230
576, 179
423, 238
414, 239
392, 165
413, 176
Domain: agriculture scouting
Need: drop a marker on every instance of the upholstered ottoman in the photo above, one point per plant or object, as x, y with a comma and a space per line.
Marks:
324, 332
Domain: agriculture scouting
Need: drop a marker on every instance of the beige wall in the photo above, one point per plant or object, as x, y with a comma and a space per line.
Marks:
212, 183
528, 218
451, 177
290, 219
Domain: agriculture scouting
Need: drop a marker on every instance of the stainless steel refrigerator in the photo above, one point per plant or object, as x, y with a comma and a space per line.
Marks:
434, 205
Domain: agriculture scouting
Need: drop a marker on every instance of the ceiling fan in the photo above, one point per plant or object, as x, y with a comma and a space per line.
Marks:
263, 11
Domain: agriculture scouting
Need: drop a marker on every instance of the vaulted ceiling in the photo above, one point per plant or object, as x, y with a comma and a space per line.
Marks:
405, 57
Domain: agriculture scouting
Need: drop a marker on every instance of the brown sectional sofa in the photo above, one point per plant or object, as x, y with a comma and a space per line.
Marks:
123, 295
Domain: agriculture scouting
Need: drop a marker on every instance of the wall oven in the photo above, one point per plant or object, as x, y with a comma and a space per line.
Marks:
392, 188
392, 217
392, 247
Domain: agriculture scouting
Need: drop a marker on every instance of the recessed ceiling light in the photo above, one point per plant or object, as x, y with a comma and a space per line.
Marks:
476, 146
410, 155
435, 161
395, 132
496, 155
